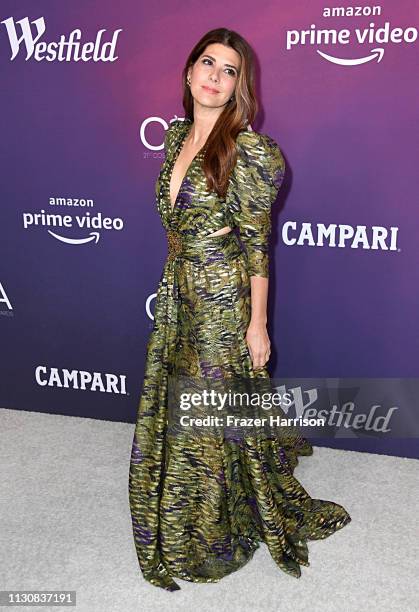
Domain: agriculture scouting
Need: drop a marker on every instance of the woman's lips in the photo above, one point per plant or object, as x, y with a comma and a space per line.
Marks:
209, 90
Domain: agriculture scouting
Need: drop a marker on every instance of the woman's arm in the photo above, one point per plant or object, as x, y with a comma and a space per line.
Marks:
253, 188
257, 336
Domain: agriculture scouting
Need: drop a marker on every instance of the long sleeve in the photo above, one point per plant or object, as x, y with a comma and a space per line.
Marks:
253, 187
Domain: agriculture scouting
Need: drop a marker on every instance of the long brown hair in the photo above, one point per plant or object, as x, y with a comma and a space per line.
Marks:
220, 148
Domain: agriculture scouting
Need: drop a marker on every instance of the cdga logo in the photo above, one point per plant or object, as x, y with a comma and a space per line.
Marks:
149, 121
61, 51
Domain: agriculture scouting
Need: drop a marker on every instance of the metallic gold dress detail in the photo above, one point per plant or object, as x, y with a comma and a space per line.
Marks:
201, 506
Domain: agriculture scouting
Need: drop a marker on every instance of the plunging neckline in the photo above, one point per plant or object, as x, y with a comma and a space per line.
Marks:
173, 163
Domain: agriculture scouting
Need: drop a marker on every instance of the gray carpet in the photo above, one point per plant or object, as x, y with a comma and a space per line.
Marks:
65, 524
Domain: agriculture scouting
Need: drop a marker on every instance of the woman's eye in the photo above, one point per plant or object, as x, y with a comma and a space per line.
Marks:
230, 71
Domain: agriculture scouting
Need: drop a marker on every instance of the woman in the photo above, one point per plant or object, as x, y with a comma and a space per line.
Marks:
201, 505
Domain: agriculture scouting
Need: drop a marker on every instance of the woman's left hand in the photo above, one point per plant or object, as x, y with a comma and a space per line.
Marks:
258, 343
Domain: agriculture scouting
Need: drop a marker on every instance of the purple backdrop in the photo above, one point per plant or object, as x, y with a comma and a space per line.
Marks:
82, 139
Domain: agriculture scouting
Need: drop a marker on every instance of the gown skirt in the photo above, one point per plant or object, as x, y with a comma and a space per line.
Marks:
200, 505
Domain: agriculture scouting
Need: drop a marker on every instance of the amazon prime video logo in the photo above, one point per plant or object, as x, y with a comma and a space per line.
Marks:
57, 224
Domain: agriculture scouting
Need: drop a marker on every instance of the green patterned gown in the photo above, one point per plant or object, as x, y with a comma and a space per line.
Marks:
200, 506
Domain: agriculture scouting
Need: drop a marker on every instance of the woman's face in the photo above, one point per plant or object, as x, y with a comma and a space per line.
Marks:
214, 75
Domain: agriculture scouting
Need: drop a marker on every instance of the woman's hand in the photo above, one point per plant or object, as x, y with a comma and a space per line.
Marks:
258, 343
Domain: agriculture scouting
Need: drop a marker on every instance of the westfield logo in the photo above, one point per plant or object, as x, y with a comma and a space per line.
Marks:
68, 49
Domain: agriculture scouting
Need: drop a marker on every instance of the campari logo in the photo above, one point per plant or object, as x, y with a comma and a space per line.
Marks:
83, 380
341, 235
66, 49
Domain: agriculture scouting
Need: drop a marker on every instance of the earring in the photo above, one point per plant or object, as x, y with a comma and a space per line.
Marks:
188, 81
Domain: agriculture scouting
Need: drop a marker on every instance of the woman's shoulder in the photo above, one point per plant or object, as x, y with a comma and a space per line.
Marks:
257, 143
258, 149
178, 126
175, 130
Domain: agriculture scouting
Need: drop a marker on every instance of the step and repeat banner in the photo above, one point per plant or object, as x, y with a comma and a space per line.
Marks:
88, 89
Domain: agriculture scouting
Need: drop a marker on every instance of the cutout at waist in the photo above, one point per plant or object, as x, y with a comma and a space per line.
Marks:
205, 249
221, 231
